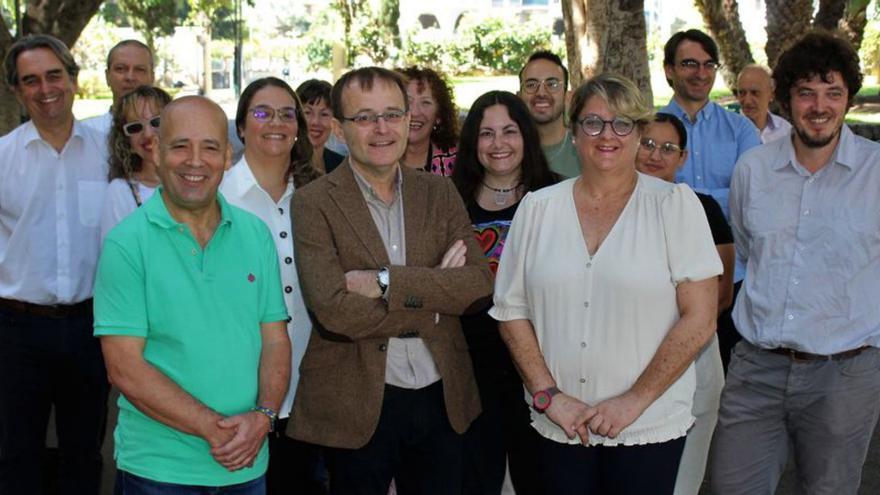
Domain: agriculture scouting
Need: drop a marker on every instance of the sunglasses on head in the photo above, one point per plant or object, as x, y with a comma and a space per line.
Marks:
132, 128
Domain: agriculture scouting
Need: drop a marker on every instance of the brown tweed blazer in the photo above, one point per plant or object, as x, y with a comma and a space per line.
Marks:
342, 376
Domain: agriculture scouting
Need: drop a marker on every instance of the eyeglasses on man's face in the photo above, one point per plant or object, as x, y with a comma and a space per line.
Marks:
367, 119
667, 150
132, 128
593, 125
693, 65
552, 84
263, 113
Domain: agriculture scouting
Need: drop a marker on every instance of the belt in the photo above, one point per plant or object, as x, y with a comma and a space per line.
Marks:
83, 308
806, 356
409, 335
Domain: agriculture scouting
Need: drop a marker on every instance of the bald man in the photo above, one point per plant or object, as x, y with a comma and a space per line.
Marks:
189, 308
754, 90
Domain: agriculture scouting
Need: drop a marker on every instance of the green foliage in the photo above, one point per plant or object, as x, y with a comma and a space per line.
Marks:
389, 15
869, 52
319, 53
151, 18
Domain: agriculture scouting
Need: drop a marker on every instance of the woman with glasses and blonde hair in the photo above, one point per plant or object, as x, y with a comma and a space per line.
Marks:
662, 152
133, 136
276, 162
606, 291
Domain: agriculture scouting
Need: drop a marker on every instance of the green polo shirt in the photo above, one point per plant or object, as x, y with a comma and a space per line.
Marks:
199, 311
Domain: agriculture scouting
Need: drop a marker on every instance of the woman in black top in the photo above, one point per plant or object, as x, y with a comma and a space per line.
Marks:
499, 161
662, 152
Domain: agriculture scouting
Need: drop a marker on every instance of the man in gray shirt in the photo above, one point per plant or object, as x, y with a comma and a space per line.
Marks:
805, 213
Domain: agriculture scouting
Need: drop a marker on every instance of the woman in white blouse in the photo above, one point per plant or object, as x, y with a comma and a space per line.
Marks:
606, 291
133, 135
276, 160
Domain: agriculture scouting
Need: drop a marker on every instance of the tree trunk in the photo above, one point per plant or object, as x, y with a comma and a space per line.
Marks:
787, 20
64, 19
722, 18
854, 20
829, 14
607, 36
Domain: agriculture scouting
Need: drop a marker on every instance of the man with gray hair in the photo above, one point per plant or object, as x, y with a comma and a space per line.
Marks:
53, 173
754, 90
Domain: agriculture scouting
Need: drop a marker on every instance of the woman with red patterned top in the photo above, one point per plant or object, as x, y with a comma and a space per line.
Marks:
433, 125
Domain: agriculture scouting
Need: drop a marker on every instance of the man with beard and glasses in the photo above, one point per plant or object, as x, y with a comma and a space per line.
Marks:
543, 86
805, 213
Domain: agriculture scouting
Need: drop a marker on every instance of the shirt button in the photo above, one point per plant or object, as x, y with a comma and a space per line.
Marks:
583, 344
586, 304
194, 251
790, 317
288, 289
589, 264
288, 260
180, 229
283, 235
281, 211
394, 247
795, 281
699, 177
583, 380
382, 347
289, 319
806, 212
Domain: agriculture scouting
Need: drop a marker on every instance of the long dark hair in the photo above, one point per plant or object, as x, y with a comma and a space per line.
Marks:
123, 162
445, 133
469, 172
300, 156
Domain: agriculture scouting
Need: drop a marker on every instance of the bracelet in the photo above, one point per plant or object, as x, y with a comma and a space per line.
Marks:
272, 415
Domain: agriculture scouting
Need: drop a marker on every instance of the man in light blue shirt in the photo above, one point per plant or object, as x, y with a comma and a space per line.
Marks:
805, 213
717, 137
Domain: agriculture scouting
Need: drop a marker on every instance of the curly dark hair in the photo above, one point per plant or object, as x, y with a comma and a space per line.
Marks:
444, 134
469, 172
817, 53
123, 162
300, 169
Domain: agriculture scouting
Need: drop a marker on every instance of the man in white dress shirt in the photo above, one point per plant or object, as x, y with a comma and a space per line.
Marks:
53, 173
129, 64
754, 90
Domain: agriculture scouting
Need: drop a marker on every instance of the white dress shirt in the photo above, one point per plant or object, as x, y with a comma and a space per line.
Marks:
100, 123
240, 188
599, 319
776, 128
119, 202
50, 207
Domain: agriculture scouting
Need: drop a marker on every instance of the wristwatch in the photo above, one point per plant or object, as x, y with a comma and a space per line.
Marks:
542, 399
272, 415
383, 278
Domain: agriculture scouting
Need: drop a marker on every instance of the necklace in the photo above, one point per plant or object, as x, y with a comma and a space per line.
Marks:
502, 196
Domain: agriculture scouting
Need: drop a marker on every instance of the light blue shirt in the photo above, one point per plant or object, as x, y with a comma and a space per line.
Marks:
715, 141
811, 244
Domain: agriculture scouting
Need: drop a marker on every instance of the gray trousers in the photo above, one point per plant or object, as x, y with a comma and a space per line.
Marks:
824, 410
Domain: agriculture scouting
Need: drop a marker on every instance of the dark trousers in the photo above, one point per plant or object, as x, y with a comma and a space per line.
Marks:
294, 466
413, 443
728, 336
129, 484
501, 435
45, 362
622, 470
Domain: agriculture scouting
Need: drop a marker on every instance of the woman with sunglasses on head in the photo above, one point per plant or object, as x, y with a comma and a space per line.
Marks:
499, 160
315, 97
276, 161
433, 123
606, 291
663, 151
133, 137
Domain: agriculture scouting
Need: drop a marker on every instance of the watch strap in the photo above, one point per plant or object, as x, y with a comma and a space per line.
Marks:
272, 415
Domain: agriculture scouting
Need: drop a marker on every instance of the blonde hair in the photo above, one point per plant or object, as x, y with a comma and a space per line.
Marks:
621, 95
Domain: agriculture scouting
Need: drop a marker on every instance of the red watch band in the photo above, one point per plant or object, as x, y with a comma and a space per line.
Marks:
542, 399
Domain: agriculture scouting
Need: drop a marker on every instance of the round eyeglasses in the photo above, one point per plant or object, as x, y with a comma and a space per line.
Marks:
552, 84
593, 125
667, 150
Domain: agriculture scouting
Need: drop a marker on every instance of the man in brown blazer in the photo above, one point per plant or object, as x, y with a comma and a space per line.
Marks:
387, 261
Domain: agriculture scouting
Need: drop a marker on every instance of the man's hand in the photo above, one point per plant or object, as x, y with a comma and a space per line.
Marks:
455, 255
571, 415
611, 416
363, 282
250, 430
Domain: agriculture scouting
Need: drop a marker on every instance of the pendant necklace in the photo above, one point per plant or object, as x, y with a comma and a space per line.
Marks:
502, 196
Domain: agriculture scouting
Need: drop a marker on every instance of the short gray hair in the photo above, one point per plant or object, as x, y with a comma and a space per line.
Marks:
32, 42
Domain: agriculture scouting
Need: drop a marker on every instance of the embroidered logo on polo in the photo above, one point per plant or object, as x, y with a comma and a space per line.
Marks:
251, 277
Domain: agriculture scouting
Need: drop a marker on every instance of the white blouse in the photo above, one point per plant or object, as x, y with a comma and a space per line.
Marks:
600, 319
119, 203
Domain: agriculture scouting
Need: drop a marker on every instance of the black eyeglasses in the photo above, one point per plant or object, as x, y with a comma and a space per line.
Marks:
593, 125
262, 113
532, 86
667, 150
691, 64
366, 119
132, 128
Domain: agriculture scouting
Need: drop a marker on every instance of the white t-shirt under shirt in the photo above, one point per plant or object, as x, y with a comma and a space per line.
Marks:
600, 319
119, 202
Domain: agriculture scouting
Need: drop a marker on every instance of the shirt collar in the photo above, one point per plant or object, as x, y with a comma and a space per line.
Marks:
367, 189
243, 181
844, 153
31, 134
158, 213
704, 113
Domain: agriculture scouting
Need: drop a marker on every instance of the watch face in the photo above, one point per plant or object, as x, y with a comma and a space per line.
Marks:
541, 400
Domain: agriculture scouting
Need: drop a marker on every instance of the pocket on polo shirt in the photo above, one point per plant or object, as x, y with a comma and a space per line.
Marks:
91, 198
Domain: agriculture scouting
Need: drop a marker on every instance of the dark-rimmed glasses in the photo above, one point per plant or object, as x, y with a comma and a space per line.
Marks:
667, 150
366, 119
262, 113
593, 125
132, 128
692, 64
553, 85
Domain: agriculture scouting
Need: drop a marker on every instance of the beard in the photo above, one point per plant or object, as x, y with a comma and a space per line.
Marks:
816, 141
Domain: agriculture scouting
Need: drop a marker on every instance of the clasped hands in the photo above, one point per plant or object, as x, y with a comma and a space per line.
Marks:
607, 418
363, 282
236, 440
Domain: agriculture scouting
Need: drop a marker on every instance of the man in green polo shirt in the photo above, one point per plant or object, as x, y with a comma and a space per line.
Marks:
189, 308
